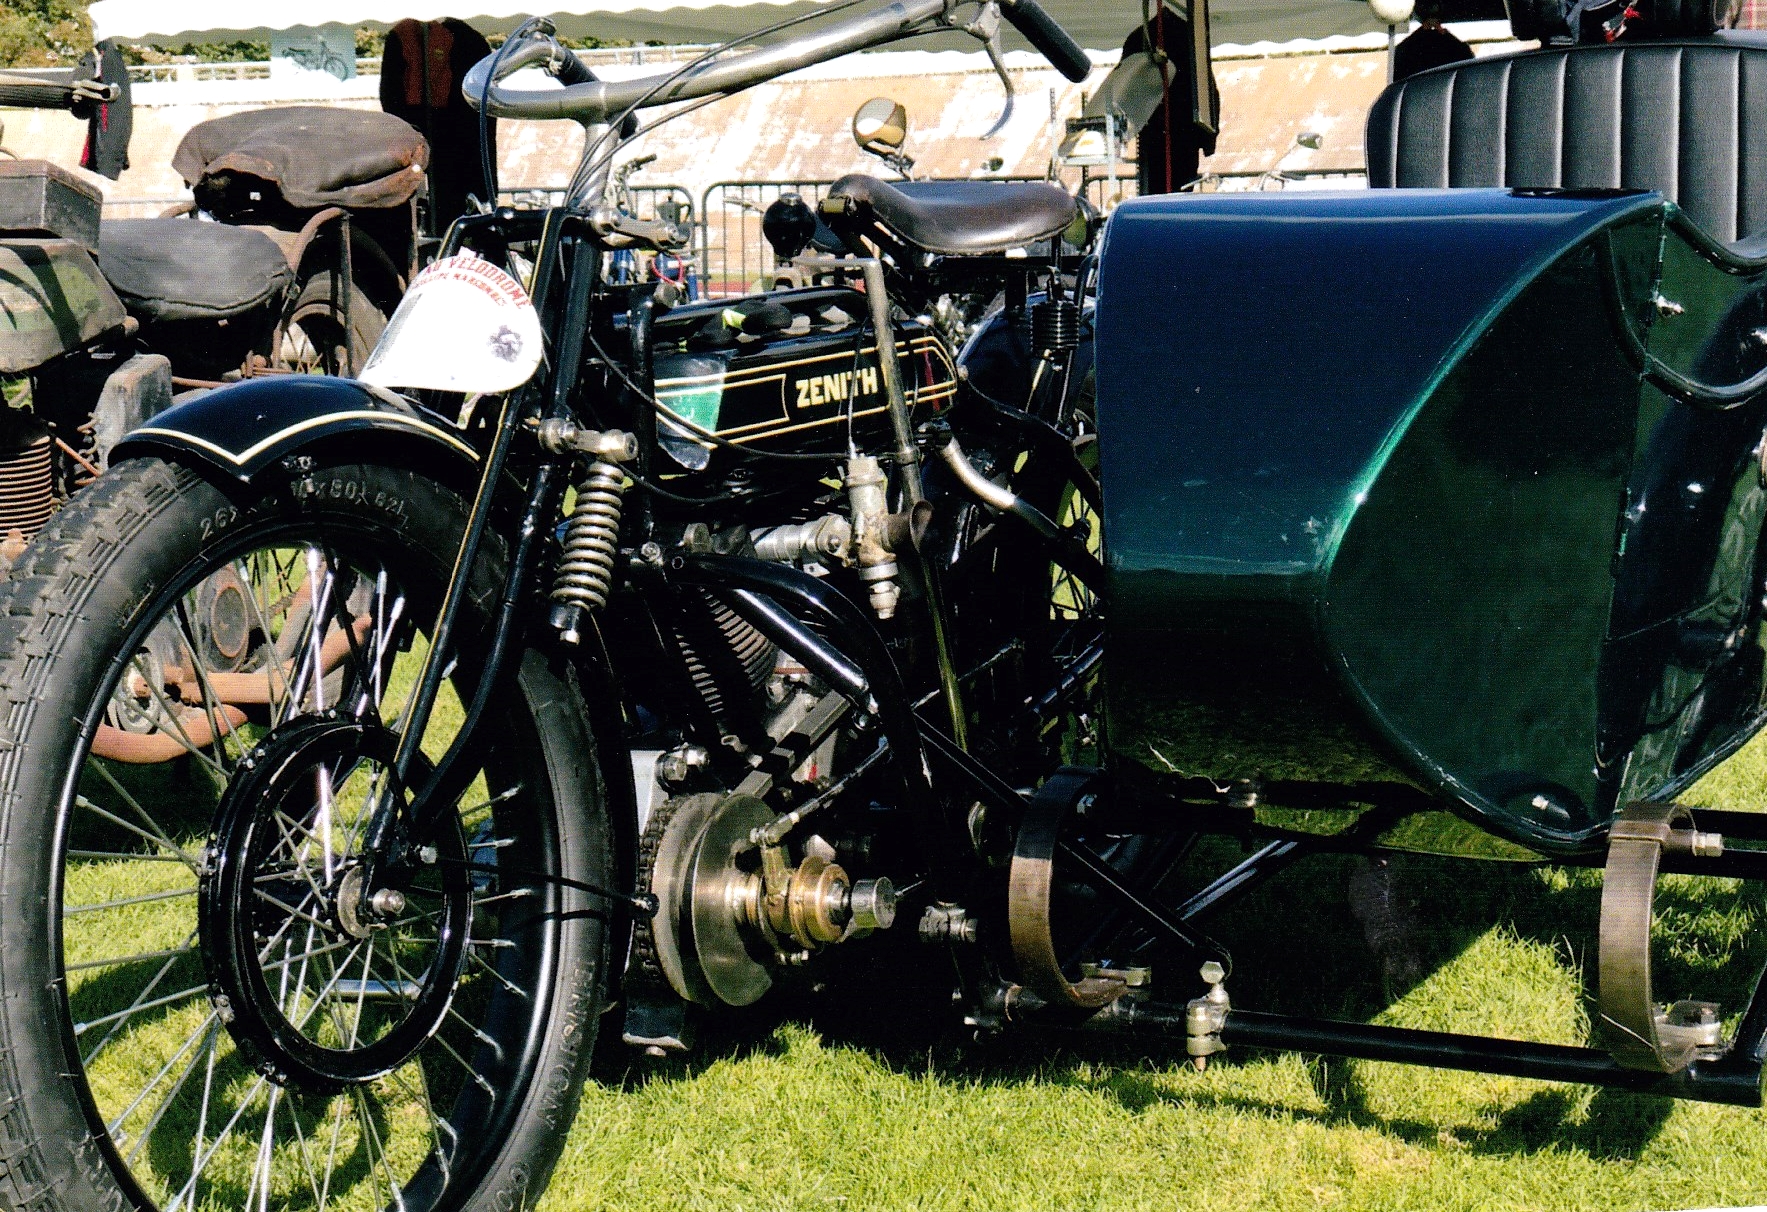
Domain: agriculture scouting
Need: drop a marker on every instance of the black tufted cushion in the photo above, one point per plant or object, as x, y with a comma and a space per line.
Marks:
1687, 118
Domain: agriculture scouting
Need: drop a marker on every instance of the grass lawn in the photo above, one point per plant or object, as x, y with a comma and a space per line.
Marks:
861, 1096
857, 1100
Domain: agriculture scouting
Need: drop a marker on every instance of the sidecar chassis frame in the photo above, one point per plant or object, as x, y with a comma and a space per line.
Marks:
776, 599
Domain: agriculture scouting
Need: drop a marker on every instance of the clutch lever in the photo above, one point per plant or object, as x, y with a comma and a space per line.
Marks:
986, 30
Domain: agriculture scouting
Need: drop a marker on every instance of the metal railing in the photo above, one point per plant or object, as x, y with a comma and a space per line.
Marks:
369, 65
734, 258
729, 256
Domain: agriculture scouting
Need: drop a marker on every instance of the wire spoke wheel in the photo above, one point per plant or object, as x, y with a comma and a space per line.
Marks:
316, 338
254, 1014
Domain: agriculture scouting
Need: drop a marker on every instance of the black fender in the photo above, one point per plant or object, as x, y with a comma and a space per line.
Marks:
241, 432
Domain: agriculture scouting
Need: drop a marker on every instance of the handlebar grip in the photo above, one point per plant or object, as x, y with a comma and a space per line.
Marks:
1041, 31
35, 94
573, 71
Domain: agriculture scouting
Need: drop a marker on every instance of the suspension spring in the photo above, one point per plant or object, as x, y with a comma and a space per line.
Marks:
587, 542
1055, 325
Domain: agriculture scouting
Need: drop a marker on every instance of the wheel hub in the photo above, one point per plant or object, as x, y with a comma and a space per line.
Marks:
322, 981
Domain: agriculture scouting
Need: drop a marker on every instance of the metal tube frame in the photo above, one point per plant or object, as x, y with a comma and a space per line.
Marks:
1734, 1078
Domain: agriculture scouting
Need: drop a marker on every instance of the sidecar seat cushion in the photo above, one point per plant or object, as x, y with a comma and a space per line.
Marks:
314, 155
1686, 117
953, 217
184, 269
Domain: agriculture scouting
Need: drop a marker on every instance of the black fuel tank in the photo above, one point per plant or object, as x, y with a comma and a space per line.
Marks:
793, 388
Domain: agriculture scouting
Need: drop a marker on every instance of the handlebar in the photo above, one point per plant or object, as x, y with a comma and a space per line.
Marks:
1051, 40
30, 92
594, 102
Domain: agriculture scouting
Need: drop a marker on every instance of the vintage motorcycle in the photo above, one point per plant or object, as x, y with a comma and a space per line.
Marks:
371, 753
108, 321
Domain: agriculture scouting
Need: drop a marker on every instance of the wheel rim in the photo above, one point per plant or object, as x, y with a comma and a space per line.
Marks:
314, 342
192, 1108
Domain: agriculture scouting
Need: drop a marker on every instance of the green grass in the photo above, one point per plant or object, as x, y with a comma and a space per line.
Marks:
857, 1098
864, 1095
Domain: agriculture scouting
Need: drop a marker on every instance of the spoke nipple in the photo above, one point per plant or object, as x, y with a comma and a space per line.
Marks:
388, 902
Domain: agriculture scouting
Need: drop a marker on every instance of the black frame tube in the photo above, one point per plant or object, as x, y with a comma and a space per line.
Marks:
1733, 1079
945, 844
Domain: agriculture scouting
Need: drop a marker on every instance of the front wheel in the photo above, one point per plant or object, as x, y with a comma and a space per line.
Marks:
201, 1003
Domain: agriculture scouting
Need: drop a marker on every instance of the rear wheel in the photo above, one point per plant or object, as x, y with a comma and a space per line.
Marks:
314, 337
202, 1004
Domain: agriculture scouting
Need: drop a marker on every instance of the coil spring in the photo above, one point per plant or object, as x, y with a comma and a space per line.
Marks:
589, 539
1055, 325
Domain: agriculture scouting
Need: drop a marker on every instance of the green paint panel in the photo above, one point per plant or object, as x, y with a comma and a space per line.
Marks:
1448, 489
52, 299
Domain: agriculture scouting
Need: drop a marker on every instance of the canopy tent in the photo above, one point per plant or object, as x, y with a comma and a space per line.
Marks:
1098, 24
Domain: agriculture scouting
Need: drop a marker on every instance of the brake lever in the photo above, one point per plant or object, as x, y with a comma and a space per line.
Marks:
994, 57
986, 29
620, 230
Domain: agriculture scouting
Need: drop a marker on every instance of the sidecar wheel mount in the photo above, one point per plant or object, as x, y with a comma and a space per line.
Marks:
1031, 886
1640, 1033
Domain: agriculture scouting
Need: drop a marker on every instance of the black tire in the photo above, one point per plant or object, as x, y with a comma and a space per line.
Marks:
311, 340
77, 623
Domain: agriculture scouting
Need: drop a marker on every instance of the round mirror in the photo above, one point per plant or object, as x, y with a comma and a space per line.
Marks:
1392, 12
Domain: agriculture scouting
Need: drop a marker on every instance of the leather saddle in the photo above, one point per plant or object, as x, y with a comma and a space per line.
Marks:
184, 269
955, 218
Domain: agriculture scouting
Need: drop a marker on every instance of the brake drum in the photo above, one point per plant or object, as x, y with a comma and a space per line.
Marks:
703, 859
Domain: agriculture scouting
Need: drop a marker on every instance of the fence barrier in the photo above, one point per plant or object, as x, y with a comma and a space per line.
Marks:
728, 255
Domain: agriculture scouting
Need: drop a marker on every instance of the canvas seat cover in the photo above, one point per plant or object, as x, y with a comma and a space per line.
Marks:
183, 269
314, 155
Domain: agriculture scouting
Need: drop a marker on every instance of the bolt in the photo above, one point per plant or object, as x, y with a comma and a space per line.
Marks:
388, 902
1213, 973
427, 855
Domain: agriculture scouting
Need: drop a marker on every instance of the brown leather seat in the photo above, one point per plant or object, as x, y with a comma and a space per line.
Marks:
959, 218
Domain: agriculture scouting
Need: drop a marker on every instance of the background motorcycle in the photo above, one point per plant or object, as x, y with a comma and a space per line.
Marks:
108, 320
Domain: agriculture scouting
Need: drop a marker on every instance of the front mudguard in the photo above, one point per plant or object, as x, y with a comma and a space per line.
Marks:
240, 433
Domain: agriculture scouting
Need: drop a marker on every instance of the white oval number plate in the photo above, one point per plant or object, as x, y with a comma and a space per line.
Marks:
464, 325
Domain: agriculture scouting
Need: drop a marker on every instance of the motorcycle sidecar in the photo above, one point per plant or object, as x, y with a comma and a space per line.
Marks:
1434, 520
1456, 490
